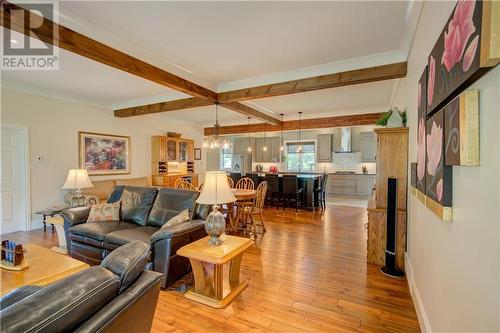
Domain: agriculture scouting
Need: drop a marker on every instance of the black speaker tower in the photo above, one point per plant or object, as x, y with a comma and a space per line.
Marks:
392, 215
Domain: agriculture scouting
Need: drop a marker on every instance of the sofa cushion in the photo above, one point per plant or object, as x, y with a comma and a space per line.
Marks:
93, 233
115, 194
120, 237
104, 212
141, 181
128, 262
136, 203
170, 202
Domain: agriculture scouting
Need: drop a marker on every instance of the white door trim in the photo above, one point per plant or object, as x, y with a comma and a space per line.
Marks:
27, 190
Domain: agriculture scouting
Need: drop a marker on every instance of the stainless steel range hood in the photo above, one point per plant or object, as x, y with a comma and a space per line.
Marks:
345, 140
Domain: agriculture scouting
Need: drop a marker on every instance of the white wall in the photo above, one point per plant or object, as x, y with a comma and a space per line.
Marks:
53, 129
454, 267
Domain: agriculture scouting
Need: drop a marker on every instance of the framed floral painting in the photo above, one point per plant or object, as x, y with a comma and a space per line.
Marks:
462, 129
465, 50
455, 56
438, 176
104, 154
421, 131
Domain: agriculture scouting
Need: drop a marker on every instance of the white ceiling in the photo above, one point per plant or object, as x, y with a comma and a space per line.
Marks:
230, 45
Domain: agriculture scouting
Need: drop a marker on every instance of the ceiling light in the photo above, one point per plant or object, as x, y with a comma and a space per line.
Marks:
216, 141
13, 41
282, 148
249, 149
264, 148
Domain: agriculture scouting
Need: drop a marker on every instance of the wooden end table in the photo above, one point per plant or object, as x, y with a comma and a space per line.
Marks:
45, 267
48, 213
220, 288
58, 223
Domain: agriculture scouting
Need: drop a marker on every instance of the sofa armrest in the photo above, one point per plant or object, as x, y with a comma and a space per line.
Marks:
75, 215
177, 230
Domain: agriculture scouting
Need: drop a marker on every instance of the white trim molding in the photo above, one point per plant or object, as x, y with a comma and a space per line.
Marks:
423, 319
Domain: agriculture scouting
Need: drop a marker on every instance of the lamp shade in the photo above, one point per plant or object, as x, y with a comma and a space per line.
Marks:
77, 178
215, 189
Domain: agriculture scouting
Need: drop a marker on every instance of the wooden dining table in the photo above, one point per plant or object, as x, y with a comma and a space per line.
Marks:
240, 195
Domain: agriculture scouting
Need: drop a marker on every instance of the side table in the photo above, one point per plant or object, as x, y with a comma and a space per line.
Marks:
48, 213
219, 289
58, 222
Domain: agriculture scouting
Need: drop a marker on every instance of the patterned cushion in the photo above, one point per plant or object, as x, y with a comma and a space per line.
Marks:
179, 218
104, 212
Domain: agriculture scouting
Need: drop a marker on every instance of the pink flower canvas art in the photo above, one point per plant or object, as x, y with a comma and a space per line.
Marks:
421, 132
455, 56
437, 173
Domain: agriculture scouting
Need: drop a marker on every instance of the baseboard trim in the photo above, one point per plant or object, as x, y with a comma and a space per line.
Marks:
423, 320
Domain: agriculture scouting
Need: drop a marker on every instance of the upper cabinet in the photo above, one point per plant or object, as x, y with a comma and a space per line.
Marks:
240, 145
368, 146
171, 149
271, 154
183, 150
324, 150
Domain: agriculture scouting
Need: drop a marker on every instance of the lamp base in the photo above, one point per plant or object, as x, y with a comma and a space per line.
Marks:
215, 225
78, 200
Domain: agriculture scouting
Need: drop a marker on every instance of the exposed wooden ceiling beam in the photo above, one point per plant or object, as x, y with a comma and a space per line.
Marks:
246, 110
82, 45
293, 125
364, 75
180, 104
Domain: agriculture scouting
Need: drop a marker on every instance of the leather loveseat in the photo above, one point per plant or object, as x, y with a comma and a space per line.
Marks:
143, 212
117, 296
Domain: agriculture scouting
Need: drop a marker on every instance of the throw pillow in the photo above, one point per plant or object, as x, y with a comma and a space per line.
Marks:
104, 212
179, 218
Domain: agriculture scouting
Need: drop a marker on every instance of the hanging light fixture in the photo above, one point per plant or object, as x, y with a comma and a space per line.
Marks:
299, 147
249, 148
264, 148
216, 141
282, 148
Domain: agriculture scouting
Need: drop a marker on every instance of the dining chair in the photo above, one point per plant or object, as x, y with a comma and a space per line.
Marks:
230, 182
183, 184
254, 177
245, 183
235, 176
274, 194
247, 212
291, 191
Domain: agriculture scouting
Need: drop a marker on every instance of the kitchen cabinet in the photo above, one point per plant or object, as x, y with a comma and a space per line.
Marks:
350, 184
165, 149
240, 145
272, 153
324, 148
368, 146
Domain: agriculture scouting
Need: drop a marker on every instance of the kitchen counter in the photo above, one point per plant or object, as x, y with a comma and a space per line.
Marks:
358, 184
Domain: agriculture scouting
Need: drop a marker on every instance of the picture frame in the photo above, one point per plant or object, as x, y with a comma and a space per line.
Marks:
104, 154
197, 154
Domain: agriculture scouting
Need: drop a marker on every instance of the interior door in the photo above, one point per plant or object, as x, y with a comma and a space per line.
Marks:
13, 182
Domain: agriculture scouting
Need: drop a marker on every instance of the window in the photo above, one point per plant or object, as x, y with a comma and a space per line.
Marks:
227, 159
300, 161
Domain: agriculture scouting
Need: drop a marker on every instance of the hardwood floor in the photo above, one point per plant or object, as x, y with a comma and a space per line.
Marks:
308, 273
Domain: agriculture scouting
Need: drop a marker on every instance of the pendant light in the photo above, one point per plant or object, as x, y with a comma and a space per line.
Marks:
249, 148
282, 148
216, 141
299, 147
264, 148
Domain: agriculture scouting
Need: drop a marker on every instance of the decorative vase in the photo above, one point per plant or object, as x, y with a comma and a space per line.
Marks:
215, 225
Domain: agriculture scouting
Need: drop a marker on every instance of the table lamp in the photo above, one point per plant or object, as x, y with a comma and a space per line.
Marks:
78, 179
215, 191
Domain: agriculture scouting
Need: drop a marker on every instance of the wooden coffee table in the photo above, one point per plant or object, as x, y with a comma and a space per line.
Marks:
220, 288
45, 267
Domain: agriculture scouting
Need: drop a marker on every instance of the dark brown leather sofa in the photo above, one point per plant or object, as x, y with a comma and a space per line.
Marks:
117, 296
143, 211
